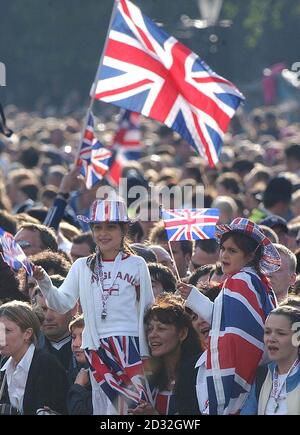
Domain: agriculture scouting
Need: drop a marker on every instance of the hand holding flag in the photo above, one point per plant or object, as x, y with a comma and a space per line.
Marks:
189, 224
13, 254
93, 158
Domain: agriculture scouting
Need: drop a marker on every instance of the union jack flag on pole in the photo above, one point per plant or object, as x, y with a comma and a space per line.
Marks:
93, 158
87, 140
144, 69
13, 254
190, 224
96, 168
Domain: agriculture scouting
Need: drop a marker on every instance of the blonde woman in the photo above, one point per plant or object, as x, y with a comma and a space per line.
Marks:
31, 378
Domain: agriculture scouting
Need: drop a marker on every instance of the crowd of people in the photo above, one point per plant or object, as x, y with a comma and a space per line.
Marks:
116, 319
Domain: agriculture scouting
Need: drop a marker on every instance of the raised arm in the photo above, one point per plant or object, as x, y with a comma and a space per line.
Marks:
64, 298
196, 301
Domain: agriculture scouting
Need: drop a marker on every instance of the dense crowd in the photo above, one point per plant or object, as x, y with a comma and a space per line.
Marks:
118, 320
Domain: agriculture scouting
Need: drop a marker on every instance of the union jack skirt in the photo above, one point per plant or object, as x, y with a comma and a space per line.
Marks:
118, 368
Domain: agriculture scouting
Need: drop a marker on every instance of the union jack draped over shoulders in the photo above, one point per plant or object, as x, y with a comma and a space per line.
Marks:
148, 71
236, 345
94, 159
13, 254
190, 224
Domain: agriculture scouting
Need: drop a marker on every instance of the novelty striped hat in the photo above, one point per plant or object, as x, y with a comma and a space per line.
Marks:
106, 211
270, 261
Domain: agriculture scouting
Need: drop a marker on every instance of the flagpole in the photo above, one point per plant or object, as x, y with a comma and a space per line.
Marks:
113, 14
175, 266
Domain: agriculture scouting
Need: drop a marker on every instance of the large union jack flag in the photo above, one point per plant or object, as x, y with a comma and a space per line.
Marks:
13, 254
190, 224
94, 159
148, 71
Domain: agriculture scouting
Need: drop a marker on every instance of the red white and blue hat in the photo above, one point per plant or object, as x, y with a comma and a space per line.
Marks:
270, 261
106, 211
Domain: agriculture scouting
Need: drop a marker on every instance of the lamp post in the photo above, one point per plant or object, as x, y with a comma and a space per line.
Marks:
208, 23
210, 11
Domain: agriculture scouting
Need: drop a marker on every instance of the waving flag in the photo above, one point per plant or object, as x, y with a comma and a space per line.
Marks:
128, 136
13, 254
116, 164
148, 71
94, 159
95, 168
87, 141
190, 224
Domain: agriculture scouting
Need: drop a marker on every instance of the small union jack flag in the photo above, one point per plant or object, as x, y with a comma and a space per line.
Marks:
13, 254
128, 136
94, 159
95, 168
190, 224
148, 71
87, 141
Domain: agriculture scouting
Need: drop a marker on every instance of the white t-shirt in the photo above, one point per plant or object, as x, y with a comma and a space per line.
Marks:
130, 296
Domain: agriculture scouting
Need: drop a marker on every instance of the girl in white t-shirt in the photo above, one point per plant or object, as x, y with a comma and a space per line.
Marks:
114, 288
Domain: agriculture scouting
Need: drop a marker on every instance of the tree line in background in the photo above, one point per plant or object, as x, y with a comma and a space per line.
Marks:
52, 47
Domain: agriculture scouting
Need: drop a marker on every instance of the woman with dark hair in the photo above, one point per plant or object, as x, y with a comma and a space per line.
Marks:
9, 284
237, 316
162, 279
201, 274
114, 289
276, 390
175, 348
